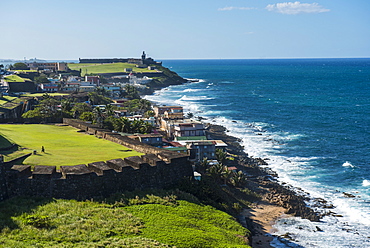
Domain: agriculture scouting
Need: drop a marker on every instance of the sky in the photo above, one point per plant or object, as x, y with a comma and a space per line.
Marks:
178, 29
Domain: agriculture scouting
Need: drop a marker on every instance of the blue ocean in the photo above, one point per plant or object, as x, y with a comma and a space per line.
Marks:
309, 117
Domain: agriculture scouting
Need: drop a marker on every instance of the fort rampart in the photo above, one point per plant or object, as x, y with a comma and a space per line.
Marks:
158, 168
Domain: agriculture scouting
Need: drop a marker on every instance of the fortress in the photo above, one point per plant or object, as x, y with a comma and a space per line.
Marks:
158, 168
139, 61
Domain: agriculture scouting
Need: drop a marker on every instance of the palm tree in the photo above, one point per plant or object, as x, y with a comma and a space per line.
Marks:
146, 127
136, 126
102, 91
238, 179
144, 105
225, 174
220, 155
109, 111
123, 124
203, 165
98, 115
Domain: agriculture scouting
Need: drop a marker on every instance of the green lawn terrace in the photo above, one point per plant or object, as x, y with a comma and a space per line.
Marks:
16, 78
64, 145
8, 103
88, 68
52, 94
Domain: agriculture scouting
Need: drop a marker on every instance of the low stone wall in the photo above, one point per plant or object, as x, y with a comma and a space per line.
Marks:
138, 74
99, 179
158, 168
117, 138
3, 188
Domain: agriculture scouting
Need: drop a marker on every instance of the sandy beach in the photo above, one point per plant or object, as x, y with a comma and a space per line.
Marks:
263, 216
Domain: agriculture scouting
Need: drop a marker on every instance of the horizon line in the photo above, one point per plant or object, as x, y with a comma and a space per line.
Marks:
251, 58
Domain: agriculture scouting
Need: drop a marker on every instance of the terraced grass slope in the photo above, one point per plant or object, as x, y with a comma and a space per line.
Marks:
63, 145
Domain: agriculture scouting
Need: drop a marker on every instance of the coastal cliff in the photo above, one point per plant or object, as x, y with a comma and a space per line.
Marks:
168, 78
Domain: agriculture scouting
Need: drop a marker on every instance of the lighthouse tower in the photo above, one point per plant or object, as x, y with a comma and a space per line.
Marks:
143, 56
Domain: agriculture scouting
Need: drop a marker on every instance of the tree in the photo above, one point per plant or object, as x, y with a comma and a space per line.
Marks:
189, 115
80, 108
203, 165
109, 111
238, 179
136, 126
98, 116
47, 108
131, 92
42, 80
96, 99
66, 105
19, 66
102, 91
149, 113
87, 116
122, 124
139, 106
220, 155
219, 171
146, 127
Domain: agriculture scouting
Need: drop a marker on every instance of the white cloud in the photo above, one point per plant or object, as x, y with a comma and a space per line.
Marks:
235, 8
293, 8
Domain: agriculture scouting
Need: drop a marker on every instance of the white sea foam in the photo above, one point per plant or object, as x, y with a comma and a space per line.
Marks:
348, 164
192, 90
195, 98
259, 140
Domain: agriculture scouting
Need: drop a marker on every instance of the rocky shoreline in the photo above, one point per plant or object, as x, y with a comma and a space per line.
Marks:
263, 181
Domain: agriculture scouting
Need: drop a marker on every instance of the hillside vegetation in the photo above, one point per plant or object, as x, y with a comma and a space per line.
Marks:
64, 145
154, 219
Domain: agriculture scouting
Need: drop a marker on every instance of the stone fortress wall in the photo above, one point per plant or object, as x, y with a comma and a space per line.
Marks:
158, 168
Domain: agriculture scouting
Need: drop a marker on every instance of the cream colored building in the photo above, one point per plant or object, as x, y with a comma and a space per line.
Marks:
53, 66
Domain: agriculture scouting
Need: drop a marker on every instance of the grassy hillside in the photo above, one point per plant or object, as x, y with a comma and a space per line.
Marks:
15, 78
134, 220
63, 145
105, 68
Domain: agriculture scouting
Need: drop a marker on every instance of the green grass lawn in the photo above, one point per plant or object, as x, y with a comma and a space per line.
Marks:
6, 99
49, 93
189, 225
63, 145
24, 71
138, 220
106, 68
15, 78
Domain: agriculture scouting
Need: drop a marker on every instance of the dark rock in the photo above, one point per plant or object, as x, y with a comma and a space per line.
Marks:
348, 195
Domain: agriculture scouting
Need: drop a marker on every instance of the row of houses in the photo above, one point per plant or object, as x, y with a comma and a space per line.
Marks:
180, 134
71, 84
